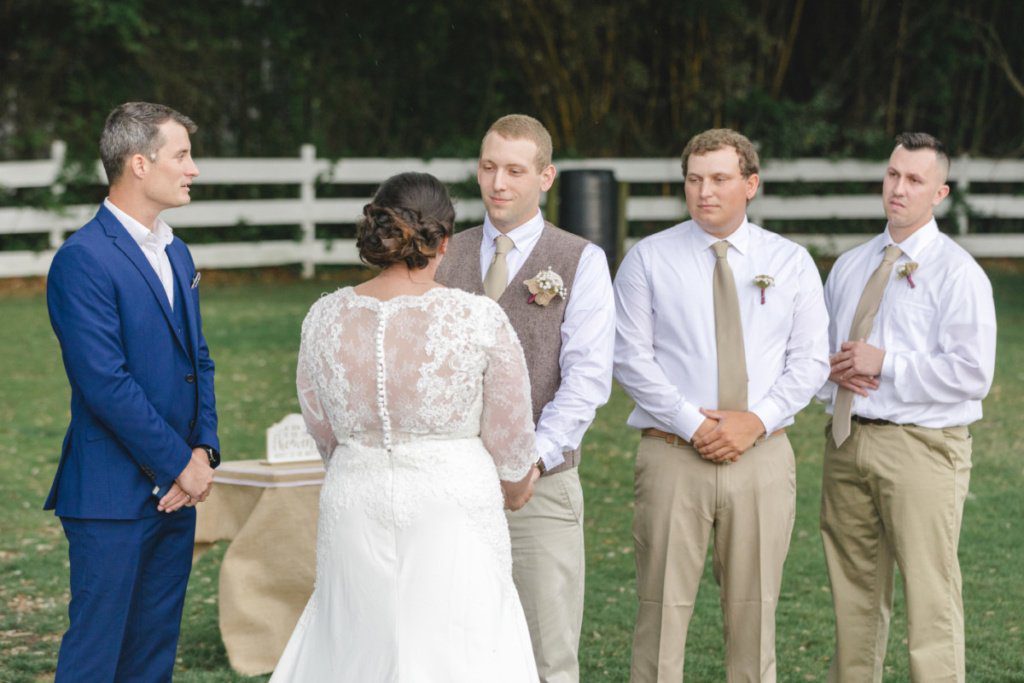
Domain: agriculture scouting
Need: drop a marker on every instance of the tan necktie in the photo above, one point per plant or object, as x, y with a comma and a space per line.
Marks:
496, 278
863, 319
732, 363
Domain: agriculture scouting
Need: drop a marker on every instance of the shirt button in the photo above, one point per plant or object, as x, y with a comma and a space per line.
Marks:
190, 378
191, 424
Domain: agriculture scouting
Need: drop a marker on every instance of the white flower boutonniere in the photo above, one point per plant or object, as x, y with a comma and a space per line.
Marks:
906, 270
764, 282
545, 286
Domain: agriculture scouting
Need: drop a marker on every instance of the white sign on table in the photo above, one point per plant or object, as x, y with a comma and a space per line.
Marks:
288, 441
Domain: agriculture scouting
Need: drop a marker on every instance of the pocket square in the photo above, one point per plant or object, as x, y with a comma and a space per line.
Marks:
195, 280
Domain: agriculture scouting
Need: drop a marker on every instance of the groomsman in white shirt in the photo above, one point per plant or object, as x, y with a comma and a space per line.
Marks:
913, 339
721, 340
567, 339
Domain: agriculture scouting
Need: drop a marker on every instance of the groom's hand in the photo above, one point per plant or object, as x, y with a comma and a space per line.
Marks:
518, 493
174, 500
197, 478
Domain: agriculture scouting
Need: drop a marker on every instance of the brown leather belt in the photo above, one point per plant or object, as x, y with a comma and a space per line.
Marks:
676, 440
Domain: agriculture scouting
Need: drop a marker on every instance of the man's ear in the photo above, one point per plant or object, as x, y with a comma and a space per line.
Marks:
547, 177
940, 194
138, 165
753, 182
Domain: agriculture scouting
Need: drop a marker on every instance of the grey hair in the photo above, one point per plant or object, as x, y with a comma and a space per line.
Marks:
134, 128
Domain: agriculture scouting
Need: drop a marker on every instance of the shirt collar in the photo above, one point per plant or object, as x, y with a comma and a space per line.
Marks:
156, 239
523, 236
739, 240
914, 245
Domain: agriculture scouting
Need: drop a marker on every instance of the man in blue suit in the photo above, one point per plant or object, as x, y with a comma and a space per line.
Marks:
142, 444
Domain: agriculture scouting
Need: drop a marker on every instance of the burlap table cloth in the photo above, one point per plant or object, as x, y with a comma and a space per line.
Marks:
269, 514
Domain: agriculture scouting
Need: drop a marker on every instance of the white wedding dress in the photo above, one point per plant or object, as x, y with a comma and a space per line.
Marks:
418, 404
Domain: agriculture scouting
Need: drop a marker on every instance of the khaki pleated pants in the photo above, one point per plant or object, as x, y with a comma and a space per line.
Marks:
548, 568
894, 495
750, 506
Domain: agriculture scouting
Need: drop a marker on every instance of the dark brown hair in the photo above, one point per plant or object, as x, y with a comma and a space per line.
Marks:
915, 141
409, 217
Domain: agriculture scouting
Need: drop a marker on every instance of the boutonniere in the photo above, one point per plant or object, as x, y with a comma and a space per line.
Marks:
545, 286
906, 270
764, 282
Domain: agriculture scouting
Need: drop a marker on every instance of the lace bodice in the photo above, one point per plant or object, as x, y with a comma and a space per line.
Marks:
442, 365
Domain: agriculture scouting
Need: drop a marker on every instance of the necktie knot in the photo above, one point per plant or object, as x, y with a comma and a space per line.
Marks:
496, 279
892, 252
721, 248
503, 244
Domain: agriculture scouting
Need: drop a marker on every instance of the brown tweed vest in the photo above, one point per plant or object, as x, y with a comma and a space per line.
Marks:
538, 327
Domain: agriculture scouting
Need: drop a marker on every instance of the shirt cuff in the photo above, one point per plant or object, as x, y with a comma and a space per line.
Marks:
688, 421
827, 393
889, 366
769, 414
549, 452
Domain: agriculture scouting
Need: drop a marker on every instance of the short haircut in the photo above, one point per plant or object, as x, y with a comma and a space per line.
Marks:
134, 128
523, 127
715, 139
915, 141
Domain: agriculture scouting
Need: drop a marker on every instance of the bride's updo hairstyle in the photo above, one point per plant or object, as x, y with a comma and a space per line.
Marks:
406, 221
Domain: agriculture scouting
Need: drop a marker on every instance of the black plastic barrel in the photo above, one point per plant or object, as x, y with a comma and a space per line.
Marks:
589, 207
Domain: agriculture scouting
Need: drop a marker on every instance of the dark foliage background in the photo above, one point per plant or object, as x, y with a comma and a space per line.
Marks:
415, 78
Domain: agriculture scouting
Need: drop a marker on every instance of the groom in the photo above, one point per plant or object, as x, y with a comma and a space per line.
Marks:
568, 342
142, 444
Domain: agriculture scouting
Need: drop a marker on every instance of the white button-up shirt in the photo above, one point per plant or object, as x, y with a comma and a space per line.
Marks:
153, 244
666, 354
588, 337
939, 336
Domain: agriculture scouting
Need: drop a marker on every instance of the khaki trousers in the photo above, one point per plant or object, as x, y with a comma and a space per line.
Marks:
548, 569
895, 495
750, 504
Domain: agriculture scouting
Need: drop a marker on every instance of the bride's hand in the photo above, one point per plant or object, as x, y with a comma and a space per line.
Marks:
518, 493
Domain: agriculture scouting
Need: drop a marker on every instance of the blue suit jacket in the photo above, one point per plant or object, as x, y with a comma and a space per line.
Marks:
141, 383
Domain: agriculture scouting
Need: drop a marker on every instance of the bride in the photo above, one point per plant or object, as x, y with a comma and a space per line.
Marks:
419, 401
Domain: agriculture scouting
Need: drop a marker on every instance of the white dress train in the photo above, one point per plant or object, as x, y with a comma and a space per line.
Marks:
418, 404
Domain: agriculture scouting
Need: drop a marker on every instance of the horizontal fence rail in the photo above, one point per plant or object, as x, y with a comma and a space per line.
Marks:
652, 189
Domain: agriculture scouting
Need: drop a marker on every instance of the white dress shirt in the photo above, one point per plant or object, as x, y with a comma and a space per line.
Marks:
153, 244
588, 338
939, 336
665, 352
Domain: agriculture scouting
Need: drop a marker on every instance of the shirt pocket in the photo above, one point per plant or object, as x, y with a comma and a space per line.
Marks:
773, 319
908, 326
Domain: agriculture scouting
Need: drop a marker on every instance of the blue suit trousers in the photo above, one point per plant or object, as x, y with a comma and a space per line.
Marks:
128, 580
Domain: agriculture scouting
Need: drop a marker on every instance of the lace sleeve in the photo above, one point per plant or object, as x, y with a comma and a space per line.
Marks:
317, 424
506, 425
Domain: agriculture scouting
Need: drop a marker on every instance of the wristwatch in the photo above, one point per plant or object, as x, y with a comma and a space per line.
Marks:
541, 467
211, 453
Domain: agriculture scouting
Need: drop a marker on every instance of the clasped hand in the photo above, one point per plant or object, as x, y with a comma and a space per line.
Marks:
518, 493
192, 486
726, 434
856, 366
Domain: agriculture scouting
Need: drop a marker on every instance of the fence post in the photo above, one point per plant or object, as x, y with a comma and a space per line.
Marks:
57, 151
308, 197
963, 185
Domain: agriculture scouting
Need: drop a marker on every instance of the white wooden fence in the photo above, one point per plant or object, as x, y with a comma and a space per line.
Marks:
307, 210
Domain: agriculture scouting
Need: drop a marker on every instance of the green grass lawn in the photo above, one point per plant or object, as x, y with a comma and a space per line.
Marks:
253, 332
